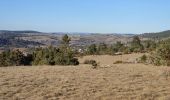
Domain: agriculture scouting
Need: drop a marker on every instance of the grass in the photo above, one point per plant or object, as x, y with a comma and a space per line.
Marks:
119, 82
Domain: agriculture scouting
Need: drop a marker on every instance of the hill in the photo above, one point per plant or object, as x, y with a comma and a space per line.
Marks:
12, 39
9, 32
35, 38
158, 35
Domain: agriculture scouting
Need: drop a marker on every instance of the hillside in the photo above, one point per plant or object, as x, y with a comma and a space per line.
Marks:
34, 38
13, 40
158, 35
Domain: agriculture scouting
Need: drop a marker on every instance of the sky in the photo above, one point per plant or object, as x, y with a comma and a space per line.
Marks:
96, 16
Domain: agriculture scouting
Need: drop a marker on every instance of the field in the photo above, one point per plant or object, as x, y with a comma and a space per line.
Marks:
128, 81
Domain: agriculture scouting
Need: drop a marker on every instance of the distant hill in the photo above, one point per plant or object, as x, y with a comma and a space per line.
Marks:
13, 39
31, 38
25, 31
35, 38
160, 35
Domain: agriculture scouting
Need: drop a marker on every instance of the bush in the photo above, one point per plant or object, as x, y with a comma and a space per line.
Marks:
92, 62
89, 61
14, 58
54, 56
118, 62
74, 61
136, 45
143, 59
161, 56
92, 49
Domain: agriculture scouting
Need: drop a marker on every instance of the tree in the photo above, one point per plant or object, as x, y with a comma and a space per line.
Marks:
56, 56
102, 48
92, 49
136, 45
149, 45
41, 56
66, 40
118, 47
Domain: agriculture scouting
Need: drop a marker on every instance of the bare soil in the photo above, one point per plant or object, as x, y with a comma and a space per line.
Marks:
107, 82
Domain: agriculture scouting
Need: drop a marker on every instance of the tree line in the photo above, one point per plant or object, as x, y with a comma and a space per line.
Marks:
136, 45
62, 55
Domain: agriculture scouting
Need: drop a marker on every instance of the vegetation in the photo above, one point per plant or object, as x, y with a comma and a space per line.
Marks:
143, 59
158, 56
89, 61
161, 56
14, 58
92, 49
65, 55
136, 45
92, 62
118, 62
158, 35
54, 56
41, 56
149, 45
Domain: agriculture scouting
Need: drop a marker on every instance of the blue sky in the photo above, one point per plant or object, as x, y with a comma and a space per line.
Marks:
99, 16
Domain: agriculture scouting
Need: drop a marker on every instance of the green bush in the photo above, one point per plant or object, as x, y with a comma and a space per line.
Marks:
136, 45
161, 56
54, 56
92, 49
14, 58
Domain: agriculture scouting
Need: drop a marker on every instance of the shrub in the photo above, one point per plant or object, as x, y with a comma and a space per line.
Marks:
92, 49
118, 62
161, 56
54, 56
14, 58
89, 61
74, 61
136, 45
92, 62
143, 59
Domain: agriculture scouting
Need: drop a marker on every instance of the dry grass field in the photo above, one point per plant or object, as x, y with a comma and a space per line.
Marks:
107, 82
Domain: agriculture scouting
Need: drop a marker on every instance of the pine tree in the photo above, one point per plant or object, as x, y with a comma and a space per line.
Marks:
136, 45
